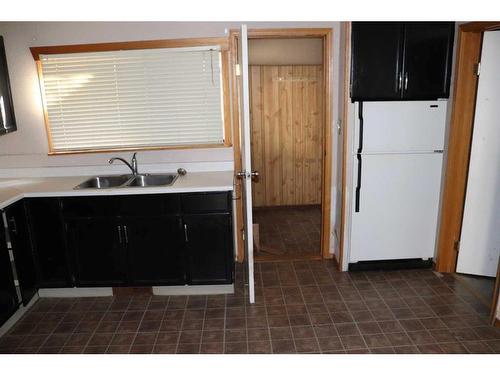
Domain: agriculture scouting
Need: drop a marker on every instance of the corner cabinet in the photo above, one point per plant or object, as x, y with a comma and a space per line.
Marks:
20, 239
8, 295
401, 60
48, 239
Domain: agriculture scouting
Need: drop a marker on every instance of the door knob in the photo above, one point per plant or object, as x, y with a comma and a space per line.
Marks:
244, 175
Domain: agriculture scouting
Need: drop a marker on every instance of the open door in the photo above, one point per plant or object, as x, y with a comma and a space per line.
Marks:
480, 238
246, 173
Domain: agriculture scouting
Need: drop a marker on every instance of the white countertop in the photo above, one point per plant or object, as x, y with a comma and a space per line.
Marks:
12, 190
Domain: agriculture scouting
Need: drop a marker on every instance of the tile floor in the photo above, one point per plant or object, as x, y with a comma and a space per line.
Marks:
302, 307
289, 230
482, 287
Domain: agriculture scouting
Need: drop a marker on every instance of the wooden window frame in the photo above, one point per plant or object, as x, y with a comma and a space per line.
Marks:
326, 186
135, 45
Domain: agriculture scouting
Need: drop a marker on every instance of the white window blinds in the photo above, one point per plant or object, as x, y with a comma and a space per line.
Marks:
133, 98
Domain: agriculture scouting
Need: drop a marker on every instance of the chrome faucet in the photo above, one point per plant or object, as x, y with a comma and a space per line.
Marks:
133, 166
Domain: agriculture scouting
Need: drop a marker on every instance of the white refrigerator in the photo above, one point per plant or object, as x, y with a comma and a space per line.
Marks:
397, 154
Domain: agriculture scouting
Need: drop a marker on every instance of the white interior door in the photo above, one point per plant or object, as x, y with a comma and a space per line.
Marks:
246, 164
480, 238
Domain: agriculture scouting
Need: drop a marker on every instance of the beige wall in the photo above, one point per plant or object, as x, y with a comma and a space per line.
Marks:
296, 51
26, 149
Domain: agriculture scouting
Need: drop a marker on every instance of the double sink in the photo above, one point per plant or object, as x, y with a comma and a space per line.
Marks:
128, 180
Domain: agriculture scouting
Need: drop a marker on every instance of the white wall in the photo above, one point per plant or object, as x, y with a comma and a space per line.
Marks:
24, 152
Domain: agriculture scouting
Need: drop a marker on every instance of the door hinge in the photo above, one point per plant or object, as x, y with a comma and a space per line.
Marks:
456, 246
477, 69
237, 70
243, 234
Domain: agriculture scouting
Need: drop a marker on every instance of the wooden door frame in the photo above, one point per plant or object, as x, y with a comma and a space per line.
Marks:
327, 35
468, 54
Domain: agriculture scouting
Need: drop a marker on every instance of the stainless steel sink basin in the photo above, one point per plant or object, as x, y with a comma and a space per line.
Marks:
148, 180
128, 180
104, 182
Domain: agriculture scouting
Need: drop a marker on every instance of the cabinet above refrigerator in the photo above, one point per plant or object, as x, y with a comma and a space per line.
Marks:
401, 60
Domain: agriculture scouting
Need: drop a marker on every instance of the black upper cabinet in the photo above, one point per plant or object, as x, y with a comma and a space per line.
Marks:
427, 63
19, 234
7, 118
98, 250
155, 248
401, 60
209, 248
377, 58
8, 295
48, 240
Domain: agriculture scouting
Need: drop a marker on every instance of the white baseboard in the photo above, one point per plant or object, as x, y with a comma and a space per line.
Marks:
74, 292
189, 290
17, 316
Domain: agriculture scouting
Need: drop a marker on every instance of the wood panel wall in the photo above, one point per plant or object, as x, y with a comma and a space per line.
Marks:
287, 117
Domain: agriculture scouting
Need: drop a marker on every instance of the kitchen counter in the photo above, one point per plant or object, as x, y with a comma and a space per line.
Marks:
12, 190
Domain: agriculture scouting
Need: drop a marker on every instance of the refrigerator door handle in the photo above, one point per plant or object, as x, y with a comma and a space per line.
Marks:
360, 118
358, 156
358, 185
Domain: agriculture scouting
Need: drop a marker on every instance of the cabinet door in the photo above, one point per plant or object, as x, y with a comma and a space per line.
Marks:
156, 250
427, 62
21, 248
8, 295
209, 246
7, 118
376, 60
99, 251
47, 232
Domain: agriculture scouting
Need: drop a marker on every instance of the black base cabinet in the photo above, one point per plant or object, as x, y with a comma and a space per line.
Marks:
48, 240
98, 255
155, 250
19, 234
209, 248
137, 240
168, 239
8, 296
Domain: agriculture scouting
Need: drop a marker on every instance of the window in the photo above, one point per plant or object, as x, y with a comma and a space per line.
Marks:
133, 99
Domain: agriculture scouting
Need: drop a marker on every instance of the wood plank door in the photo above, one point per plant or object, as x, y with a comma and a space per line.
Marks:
246, 172
480, 237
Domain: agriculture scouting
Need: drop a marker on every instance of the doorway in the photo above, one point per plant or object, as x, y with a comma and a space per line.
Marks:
290, 140
286, 117
468, 238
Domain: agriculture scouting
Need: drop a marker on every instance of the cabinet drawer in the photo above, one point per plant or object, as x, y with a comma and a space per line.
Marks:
88, 206
206, 202
121, 205
148, 205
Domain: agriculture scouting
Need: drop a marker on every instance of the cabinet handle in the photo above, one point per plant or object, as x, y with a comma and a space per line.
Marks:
125, 230
119, 233
13, 226
406, 81
186, 233
400, 81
